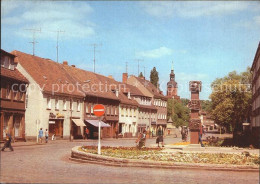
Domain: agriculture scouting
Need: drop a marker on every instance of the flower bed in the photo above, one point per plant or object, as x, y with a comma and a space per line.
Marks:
155, 154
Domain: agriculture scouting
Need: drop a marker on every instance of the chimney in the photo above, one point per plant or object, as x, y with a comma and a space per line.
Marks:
73, 66
65, 62
124, 77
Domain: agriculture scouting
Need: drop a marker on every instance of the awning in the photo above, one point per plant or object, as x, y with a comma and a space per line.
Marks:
153, 123
141, 125
95, 123
78, 122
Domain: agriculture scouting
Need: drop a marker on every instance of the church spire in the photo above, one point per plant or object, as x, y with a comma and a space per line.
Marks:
172, 65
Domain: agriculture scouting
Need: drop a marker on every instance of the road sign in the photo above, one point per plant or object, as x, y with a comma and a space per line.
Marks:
99, 110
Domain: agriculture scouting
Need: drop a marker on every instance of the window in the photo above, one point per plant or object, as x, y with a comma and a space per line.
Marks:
64, 104
48, 103
92, 109
115, 110
6, 62
71, 104
15, 93
26, 101
8, 92
78, 105
87, 109
56, 103
21, 96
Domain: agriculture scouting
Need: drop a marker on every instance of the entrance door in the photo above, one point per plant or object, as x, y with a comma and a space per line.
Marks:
17, 124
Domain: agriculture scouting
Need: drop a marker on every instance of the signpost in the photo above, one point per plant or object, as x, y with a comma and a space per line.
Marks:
99, 111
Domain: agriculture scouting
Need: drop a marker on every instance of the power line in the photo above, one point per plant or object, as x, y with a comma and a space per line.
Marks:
57, 46
34, 42
94, 57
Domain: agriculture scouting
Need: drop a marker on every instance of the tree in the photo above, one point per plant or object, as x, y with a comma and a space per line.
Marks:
206, 105
154, 77
231, 98
141, 74
178, 112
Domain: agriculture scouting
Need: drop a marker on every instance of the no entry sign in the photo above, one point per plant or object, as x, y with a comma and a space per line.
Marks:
99, 110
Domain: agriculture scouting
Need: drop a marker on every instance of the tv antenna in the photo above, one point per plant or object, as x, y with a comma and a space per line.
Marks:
57, 45
94, 56
34, 41
138, 60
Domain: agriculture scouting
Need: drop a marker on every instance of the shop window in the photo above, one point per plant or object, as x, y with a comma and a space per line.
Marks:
92, 109
5, 125
87, 109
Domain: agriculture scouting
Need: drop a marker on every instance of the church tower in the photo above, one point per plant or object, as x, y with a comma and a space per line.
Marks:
172, 87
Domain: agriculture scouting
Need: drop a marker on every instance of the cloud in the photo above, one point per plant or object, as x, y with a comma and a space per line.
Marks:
155, 53
192, 9
49, 16
249, 23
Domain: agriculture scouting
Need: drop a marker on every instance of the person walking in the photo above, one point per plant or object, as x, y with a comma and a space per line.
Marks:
8, 142
40, 134
200, 136
87, 133
160, 136
46, 135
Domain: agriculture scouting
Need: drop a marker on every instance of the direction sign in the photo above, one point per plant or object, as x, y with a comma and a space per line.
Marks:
99, 110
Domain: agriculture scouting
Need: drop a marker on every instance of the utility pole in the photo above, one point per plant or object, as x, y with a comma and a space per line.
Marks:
57, 46
34, 42
94, 58
144, 71
138, 60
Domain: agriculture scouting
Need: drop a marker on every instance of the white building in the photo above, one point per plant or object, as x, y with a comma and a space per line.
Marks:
53, 101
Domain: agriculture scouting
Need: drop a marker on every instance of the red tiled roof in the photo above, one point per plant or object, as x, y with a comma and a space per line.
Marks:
151, 87
48, 74
13, 74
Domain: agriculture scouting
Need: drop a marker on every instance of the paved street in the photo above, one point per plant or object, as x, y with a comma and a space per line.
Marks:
49, 163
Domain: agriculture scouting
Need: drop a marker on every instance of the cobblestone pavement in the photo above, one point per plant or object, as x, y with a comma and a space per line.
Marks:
49, 163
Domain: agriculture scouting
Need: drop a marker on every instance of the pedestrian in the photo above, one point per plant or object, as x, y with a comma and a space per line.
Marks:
8, 142
87, 133
116, 132
200, 136
40, 134
160, 136
141, 139
46, 135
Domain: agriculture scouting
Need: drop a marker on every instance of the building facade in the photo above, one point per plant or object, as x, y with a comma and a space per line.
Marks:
13, 98
255, 119
155, 99
53, 101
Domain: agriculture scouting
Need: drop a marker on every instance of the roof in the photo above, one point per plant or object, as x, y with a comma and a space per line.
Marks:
7, 53
257, 55
48, 74
13, 74
148, 85
91, 83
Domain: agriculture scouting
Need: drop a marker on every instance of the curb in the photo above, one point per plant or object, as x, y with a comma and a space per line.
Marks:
83, 157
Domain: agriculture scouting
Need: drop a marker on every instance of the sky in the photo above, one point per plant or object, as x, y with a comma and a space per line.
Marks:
204, 40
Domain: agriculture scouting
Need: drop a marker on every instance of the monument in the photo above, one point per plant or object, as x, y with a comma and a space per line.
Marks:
194, 106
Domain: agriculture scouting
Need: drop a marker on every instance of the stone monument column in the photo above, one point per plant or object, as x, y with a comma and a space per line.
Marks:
194, 105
